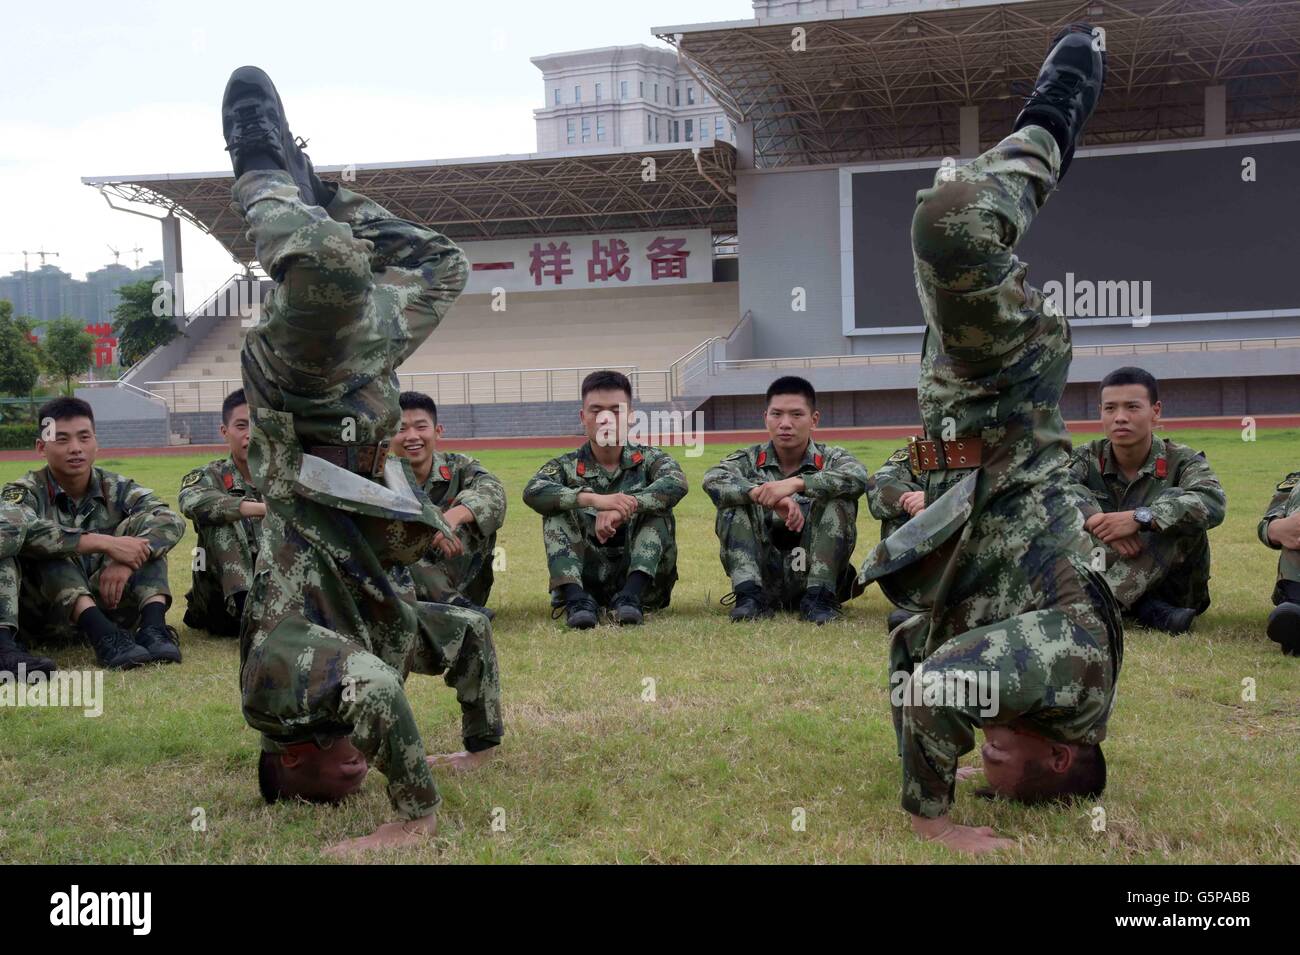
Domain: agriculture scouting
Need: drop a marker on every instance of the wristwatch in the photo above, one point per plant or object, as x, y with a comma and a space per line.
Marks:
1142, 516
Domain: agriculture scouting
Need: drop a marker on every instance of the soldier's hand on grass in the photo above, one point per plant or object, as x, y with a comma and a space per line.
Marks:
112, 584
131, 551
970, 839
789, 509
913, 502
462, 762
448, 546
1109, 528
607, 524
1285, 531
967, 772
390, 835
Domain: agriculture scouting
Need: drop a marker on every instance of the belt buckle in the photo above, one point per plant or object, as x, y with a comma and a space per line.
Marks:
913, 456
381, 455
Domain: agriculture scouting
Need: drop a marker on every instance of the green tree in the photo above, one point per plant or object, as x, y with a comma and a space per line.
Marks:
20, 366
69, 349
139, 331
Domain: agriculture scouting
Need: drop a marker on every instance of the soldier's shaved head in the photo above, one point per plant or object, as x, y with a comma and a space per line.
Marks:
1027, 767
309, 772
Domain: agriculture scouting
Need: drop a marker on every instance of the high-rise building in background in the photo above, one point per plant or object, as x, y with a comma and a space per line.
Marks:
48, 292
616, 96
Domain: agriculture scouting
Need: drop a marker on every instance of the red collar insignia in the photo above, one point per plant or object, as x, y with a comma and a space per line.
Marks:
762, 458
582, 468
445, 471
228, 480
1162, 467
636, 457
817, 461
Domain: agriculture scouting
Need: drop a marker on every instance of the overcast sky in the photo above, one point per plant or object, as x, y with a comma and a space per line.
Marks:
94, 89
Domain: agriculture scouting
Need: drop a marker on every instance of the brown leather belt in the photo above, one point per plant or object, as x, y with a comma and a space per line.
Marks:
364, 459
927, 455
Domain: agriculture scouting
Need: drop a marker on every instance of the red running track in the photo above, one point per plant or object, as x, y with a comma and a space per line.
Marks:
710, 437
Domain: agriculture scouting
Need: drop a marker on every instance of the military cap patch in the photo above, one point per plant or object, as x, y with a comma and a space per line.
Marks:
13, 495
445, 471
191, 479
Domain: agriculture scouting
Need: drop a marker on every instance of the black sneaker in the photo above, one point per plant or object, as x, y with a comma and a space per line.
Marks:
460, 600
257, 131
117, 650
580, 613
1284, 628
15, 659
819, 606
626, 609
1067, 89
750, 603
161, 643
897, 618
1159, 615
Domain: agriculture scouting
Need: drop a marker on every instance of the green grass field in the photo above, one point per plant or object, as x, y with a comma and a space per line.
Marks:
750, 723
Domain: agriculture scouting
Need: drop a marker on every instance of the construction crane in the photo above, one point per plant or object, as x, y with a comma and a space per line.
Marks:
137, 250
117, 256
41, 252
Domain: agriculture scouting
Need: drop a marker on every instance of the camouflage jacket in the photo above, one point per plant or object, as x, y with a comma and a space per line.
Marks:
211, 495
459, 479
1286, 501
55, 522
1175, 482
647, 474
827, 472
888, 485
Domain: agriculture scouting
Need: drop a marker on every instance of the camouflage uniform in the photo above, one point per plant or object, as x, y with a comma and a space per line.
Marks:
54, 575
1186, 500
357, 292
13, 532
999, 558
1286, 501
459, 479
887, 486
757, 547
647, 542
210, 497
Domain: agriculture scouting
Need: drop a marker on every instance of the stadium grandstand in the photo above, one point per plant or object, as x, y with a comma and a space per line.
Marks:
704, 267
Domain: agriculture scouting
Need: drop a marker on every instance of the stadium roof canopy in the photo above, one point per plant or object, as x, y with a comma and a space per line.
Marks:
888, 82
493, 197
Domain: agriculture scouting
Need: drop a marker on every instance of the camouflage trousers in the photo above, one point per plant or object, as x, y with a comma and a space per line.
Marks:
9, 584
757, 548
648, 543
1287, 588
227, 570
50, 589
469, 575
1174, 568
456, 644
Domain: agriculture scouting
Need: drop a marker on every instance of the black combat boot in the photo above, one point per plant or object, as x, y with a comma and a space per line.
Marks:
1159, 615
1067, 89
1284, 628
579, 613
117, 650
897, 618
13, 656
257, 131
750, 603
819, 606
625, 608
162, 643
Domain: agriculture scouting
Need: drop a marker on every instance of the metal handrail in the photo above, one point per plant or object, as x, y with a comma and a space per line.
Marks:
119, 383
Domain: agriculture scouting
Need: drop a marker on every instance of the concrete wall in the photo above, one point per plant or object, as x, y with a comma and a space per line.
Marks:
124, 419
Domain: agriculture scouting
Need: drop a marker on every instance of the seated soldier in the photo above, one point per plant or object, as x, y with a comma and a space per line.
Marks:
14, 658
894, 495
227, 512
1280, 529
94, 559
1157, 501
787, 514
458, 569
607, 514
